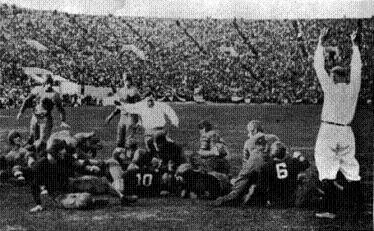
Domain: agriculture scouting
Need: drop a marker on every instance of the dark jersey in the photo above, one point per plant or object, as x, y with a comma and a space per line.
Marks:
54, 176
145, 182
210, 185
278, 179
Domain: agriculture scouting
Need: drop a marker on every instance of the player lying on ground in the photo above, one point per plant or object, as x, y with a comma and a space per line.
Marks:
194, 183
19, 157
212, 152
58, 174
85, 144
278, 178
255, 154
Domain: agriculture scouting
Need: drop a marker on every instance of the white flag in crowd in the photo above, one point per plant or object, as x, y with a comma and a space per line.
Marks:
229, 50
137, 51
35, 44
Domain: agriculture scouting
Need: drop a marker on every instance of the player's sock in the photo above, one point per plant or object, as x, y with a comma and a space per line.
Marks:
355, 196
330, 201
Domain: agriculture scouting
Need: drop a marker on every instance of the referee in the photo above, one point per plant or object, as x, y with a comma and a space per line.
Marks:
335, 146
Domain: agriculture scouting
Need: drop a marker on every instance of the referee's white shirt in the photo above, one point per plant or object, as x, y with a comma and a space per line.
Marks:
340, 99
153, 117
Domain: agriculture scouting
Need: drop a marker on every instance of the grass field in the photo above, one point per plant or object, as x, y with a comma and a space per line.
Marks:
297, 126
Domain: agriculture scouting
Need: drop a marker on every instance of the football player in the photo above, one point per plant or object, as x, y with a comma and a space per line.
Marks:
198, 184
149, 182
127, 124
278, 180
57, 173
255, 154
212, 152
18, 158
167, 153
43, 103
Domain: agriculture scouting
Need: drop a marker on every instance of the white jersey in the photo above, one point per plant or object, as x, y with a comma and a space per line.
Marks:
128, 95
153, 117
43, 94
340, 99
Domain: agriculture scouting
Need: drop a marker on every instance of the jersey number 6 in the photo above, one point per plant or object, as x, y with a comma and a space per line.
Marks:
146, 180
282, 172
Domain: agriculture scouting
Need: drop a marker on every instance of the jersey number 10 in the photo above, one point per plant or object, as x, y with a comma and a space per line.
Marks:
146, 180
282, 172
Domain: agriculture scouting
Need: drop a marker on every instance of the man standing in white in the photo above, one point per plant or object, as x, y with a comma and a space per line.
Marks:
152, 115
126, 128
335, 146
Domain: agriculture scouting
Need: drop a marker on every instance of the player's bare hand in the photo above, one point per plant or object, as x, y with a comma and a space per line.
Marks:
19, 115
64, 125
36, 209
354, 38
323, 35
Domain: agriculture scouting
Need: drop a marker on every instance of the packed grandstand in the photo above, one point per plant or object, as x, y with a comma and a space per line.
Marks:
272, 63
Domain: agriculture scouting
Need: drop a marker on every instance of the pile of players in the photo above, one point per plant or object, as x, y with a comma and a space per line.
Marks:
66, 168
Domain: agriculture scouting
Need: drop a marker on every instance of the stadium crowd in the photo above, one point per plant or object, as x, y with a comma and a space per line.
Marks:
89, 50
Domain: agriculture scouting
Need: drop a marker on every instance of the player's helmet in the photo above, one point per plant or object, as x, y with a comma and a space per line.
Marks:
278, 150
205, 124
255, 125
48, 80
160, 138
47, 104
56, 147
12, 135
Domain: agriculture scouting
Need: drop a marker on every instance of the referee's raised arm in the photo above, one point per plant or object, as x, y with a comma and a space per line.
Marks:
319, 62
356, 65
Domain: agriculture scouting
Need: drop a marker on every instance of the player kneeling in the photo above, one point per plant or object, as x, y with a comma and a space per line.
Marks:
199, 184
278, 181
56, 172
18, 158
211, 157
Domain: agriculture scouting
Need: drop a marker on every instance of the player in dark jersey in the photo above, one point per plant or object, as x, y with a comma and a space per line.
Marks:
278, 179
148, 182
199, 184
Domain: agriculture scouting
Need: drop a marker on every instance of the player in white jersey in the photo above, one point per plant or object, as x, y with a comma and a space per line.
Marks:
152, 115
43, 103
335, 146
126, 129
